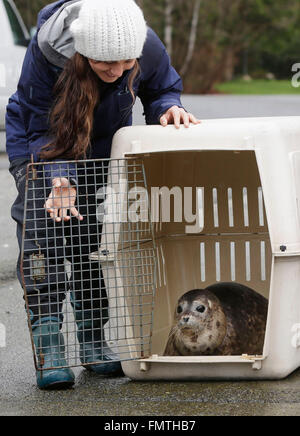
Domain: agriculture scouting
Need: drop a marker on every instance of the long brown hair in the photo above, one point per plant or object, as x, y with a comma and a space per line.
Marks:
71, 117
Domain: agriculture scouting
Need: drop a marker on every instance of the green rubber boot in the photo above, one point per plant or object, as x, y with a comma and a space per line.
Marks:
93, 347
50, 350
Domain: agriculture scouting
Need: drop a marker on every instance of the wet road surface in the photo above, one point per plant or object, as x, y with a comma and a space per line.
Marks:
94, 395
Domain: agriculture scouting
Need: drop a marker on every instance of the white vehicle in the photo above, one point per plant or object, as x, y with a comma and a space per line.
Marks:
13, 42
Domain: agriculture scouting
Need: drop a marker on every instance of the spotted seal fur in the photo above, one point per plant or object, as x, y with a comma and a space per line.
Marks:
222, 319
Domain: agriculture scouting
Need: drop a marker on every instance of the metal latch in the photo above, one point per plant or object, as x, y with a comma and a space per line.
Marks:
37, 267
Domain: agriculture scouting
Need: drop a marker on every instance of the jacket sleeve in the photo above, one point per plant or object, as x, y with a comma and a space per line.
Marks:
35, 90
35, 97
16, 141
160, 86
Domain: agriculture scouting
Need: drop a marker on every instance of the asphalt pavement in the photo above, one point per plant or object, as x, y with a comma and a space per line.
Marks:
95, 395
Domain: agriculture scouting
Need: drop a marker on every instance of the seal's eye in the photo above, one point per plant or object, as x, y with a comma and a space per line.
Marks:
179, 309
200, 308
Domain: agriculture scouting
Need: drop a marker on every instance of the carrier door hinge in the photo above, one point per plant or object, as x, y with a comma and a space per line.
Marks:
257, 361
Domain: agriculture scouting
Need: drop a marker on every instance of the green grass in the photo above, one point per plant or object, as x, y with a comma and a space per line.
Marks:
255, 87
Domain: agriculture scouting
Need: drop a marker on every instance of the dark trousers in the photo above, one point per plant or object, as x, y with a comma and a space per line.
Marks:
46, 279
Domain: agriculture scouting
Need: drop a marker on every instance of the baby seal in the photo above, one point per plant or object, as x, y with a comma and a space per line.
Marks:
222, 319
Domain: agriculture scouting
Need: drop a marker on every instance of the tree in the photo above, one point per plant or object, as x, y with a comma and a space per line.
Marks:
168, 34
29, 10
192, 38
206, 48
207, 39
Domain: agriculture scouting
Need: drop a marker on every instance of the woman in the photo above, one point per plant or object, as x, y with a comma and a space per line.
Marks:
80, 77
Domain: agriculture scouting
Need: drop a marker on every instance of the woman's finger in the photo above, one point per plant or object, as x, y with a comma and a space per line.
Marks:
50, 210
164, 120
75, 212
186, 119
54, 214
176, 117
63, 214
194, 120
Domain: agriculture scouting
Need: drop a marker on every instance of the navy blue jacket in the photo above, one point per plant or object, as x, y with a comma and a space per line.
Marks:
27, 124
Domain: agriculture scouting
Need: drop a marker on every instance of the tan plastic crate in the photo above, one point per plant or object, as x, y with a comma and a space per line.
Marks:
245, 175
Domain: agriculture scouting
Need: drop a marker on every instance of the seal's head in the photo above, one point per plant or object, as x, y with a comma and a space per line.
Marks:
199, 323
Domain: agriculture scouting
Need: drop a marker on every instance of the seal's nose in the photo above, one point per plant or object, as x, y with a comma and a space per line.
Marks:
186, 318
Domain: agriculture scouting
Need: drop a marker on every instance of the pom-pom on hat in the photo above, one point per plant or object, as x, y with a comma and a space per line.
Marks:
109, 30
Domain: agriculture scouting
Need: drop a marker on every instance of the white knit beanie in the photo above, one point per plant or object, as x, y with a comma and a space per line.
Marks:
109, 30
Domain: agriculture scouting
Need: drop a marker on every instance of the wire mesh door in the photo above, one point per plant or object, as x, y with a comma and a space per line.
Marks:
88, 263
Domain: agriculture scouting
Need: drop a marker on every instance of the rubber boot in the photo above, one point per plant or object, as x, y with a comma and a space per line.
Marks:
93, 347
50, 349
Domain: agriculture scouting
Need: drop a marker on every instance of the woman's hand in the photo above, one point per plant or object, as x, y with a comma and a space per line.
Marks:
61, 199
177, 116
